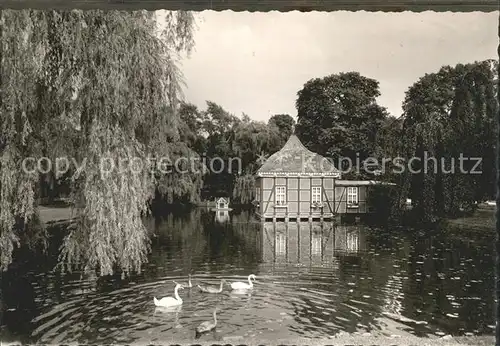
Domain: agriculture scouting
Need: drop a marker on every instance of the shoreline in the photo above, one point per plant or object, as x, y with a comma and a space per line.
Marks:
354, 339
483, 217
348, 339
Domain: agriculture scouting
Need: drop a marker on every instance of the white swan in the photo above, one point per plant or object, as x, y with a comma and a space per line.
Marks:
243, 285
188, 285
170, 301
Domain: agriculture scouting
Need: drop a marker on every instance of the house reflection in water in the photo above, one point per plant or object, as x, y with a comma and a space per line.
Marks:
222, 216
309, 242
347, 240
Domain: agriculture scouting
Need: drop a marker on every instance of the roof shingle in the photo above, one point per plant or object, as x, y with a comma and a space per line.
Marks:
295, 158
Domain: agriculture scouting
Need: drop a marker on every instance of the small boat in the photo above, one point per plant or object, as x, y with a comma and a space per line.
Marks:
212, 288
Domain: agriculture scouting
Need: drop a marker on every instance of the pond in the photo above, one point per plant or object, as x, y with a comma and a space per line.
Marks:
313, 280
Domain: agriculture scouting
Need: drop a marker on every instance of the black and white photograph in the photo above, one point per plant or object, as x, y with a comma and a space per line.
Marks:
224, 177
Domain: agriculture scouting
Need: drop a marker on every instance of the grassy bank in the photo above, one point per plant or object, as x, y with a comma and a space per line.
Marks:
482, 220
55, 214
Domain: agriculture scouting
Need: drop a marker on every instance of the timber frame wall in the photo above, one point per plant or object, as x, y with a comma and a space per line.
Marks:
298, 204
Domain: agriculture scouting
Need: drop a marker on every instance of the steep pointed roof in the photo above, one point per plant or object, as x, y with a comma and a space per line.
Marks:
295, 159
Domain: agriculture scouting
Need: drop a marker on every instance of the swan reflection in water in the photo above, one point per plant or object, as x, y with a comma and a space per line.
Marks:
244, 297
237, 294
169, 311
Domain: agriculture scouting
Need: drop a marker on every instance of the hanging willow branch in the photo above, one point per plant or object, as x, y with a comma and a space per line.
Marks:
108, 77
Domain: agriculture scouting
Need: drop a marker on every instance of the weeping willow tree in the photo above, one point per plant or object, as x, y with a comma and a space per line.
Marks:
182, 179
113, 75
244, 189
449, 114
252, 139
19, 70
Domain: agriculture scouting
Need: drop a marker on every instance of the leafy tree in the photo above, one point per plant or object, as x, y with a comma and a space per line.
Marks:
112, 75
217, 131
338, 116
234, 142
448, 114
388, 138
191, 126
217, 121
244, 189
284, 124
251, 140
179, 176
245, 118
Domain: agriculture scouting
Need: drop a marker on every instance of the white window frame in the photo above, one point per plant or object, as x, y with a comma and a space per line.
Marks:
316, 194
280, 195
257, 194
352, 195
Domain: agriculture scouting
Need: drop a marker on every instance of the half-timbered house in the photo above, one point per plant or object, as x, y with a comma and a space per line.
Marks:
296, 183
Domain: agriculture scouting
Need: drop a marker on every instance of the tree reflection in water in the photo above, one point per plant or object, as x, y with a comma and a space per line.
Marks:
315, 278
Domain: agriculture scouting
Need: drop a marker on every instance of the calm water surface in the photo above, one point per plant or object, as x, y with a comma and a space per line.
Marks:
313, 280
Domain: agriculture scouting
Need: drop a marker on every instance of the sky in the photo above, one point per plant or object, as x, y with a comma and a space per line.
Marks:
257, 62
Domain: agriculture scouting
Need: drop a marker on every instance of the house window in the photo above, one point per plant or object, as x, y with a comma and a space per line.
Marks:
316, 195
280, 195
257, 194
352, 195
